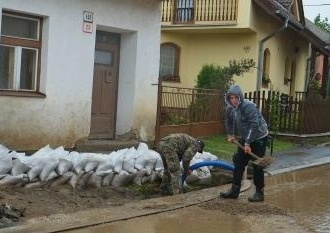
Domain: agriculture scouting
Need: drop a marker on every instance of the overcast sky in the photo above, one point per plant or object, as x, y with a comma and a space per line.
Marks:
314, 7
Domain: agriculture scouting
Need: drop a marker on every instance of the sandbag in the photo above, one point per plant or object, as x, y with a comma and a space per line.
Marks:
122, 179
62, 179
63, 166
47, 169
18, 167
35, 171
91, 166
106, 181
14, 180
5, 161
94, 181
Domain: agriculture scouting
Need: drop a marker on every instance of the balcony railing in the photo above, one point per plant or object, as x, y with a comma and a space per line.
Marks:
199, 12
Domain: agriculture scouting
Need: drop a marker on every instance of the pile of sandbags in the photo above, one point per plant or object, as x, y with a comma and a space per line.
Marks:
53, 167
58, 166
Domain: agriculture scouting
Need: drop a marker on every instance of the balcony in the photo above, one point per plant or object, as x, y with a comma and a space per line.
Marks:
199, 12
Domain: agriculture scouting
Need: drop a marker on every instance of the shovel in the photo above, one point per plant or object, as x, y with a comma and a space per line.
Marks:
262, 162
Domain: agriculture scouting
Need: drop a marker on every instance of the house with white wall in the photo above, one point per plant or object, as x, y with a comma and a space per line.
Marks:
77, 69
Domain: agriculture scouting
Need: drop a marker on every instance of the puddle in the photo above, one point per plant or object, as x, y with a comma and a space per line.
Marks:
295, 202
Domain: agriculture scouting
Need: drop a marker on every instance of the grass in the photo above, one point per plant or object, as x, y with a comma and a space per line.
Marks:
219, 146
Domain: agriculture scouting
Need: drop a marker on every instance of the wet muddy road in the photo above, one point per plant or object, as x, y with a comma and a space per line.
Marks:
295, 202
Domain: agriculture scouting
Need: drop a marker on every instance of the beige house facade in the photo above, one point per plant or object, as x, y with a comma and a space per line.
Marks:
272, 33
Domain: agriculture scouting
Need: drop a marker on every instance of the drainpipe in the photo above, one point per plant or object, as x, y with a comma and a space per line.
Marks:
261, 47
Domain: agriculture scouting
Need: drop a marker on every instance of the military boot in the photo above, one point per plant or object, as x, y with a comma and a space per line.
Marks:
257, 196
232, 193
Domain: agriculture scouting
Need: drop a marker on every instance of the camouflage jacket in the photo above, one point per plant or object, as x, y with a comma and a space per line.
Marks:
183, 144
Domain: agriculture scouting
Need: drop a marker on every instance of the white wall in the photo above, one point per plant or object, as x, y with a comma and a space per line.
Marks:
67, 72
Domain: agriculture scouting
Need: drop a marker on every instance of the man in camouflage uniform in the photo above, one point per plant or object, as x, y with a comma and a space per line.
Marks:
173, 149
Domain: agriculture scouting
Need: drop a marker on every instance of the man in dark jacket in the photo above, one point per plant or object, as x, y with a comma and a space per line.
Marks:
173, 149
245, 123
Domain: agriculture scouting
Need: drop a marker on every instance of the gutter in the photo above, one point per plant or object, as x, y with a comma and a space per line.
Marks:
261, 46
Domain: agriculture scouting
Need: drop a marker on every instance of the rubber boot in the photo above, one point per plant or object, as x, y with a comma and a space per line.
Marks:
257, 196
232, 193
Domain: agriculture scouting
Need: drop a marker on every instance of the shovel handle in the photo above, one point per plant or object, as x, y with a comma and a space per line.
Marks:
242, 147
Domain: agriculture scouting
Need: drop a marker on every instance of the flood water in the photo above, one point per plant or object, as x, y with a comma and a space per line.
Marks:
305, 194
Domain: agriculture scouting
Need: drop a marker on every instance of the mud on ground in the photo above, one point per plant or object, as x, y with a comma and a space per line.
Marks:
18, 204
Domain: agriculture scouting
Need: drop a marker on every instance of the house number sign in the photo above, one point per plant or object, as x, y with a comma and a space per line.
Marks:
88, 21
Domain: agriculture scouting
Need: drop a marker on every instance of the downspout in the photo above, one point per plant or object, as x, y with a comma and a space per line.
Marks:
261, 47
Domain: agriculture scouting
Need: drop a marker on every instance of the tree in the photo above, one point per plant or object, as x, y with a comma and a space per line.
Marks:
221, 78
322, 23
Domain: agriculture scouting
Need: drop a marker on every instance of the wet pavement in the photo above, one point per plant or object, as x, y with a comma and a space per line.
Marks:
300, 157
284, 162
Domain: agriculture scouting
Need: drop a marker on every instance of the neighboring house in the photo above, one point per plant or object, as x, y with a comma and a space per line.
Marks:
274, 33
76, 69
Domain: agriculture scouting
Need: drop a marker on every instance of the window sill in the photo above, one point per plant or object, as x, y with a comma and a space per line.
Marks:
22, 94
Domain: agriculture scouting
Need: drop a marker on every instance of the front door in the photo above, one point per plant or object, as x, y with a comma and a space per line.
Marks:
105, 86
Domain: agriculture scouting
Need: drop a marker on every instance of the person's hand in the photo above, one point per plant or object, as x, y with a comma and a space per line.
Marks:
231, 138
247, 149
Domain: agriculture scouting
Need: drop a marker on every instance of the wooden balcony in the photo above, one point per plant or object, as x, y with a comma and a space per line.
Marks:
199, 12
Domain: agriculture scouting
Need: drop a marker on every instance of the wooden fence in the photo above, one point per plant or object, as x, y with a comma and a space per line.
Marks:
298, 115
200, 112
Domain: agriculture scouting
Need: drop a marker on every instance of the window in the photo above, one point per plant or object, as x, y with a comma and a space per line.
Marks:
169, 62
19, 53
185, 11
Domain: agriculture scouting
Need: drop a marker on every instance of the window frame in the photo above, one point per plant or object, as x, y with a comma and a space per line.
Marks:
176, 76
24, 43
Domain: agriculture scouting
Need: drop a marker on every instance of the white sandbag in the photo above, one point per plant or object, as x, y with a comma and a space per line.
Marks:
129, 160
60, 153
35, 171
42, 153
205, 156
159, 164
119, 159
83, 179
18, 167
83, 159
142, 156
108, 164
94, 181
3, 148
103, 173
128, 165
14, 180
62, 179
63, 166
106, 181
73, 180
5, 162
91, 166
52, 175
138, 177
75, 158
142, 148
36, 184
79, 167
151, 161
122, 178
49, 166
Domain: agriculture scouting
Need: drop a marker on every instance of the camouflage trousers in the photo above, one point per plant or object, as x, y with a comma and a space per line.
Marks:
171, 179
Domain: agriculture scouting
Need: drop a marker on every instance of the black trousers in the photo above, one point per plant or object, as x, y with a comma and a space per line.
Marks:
241, 160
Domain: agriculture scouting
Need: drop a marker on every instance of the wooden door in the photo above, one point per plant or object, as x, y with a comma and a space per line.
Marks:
105, 86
